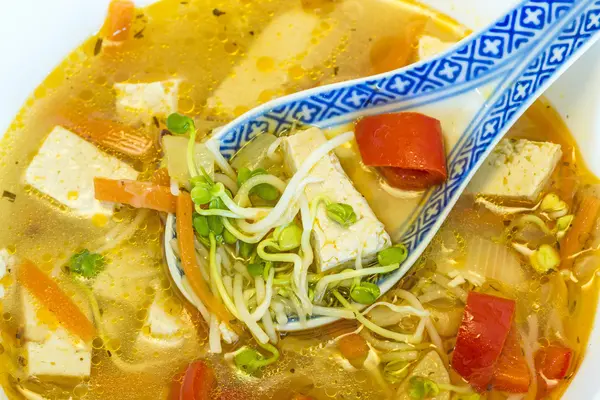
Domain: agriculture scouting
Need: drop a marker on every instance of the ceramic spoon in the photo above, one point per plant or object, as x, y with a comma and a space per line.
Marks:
477, 89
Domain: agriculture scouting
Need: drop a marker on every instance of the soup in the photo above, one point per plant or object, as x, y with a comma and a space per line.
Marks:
137, 262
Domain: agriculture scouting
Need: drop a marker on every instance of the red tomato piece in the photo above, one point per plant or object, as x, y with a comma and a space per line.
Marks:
481, 337
511, 373
407, 147
552, 363
198, 382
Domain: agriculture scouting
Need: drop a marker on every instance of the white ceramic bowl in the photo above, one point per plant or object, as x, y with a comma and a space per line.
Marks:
35, 35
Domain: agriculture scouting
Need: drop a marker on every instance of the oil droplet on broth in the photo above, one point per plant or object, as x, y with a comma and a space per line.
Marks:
265, 64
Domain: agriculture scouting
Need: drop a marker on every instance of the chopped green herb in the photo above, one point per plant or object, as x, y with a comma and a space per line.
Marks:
395, 371
228, 237
245, 249
200, 223
470, 396
179, 124
264, 190
422, 388
256, 269
288, 236
392, 255
365, 293
201, 194
249, 360
86, 263
341, 213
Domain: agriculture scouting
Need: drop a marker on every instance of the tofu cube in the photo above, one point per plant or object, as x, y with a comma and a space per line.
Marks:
65, 167
139, 102
163, 329
430, 46
334, 245
517, 170
51, 352
161, 320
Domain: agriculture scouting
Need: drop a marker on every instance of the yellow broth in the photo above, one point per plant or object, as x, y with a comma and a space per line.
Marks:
200, 42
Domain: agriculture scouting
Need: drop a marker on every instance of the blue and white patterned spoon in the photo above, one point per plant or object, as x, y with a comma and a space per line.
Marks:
478, 89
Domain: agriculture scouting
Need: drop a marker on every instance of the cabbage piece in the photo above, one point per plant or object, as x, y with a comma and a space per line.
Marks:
495, 261
175, 148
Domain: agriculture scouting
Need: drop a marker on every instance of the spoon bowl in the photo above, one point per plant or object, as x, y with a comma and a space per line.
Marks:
477, 89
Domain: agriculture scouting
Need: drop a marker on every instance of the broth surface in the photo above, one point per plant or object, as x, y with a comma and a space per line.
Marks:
201, 43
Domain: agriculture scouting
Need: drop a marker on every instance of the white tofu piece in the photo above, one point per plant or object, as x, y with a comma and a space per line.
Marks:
517, 169
161, 322
52, 353
139, 102
283, 41
176, 154
163, 328
430, 46
58, 357
334, 245
65, 167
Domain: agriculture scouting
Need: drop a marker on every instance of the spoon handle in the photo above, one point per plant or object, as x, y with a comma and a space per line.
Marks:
514, 92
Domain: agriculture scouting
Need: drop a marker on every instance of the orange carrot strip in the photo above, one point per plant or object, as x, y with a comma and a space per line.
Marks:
579, 232
135, 193
118, 21
185, 238
56, 301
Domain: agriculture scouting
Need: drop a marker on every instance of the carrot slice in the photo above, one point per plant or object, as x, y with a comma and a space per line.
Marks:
407, 147
185, 238
161, 177
512, 374
354, 348
56, 301
579, 233
135, 193
118, 21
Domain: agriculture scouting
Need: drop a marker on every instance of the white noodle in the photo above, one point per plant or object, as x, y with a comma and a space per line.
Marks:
240, 268
433, 333
272, 149
266, 318
293, 186
225, 260
280, 314
387, 345
228, 283
174, 186
264, 306
195, 299
307, 251
410, 355
242, 199
213, 145
227, 182
244, 314
333, 312
214, 336
322, 285
241, 236
445, 282
408, 310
